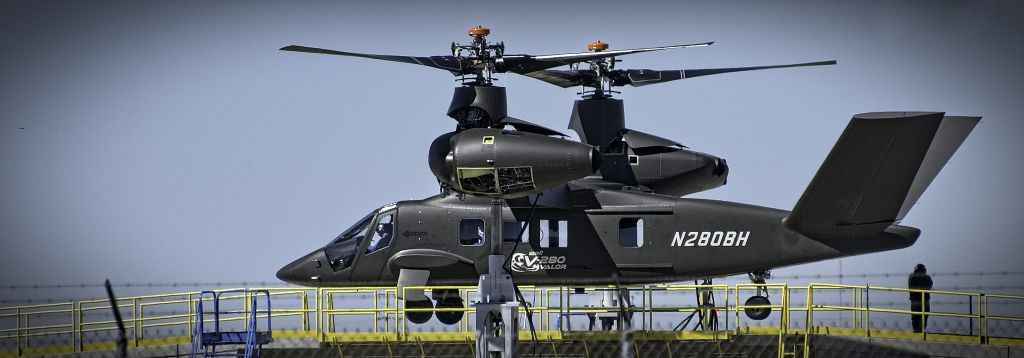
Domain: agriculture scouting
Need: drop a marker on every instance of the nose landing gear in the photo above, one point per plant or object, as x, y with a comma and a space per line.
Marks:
759, 300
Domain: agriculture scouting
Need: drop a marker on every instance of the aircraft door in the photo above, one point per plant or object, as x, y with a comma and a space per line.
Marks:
373, 256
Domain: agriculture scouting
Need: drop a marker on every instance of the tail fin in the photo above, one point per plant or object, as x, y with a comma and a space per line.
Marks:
877, 170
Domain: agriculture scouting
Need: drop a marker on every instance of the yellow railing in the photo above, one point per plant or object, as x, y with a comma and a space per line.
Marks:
375, 314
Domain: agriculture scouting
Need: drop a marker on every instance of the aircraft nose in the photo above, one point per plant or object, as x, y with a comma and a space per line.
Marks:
303, 271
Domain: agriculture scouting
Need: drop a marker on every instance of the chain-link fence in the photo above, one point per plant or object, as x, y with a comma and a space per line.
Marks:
666, 320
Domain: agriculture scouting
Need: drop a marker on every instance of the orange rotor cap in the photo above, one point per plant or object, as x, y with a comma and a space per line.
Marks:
479, 31
597, 46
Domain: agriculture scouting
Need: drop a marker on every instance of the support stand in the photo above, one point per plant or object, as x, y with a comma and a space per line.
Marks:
497, 313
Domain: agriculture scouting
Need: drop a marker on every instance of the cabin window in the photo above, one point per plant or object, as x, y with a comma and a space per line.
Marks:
510, 232
471, 232
634, 159
554, 233
382, 233
341, 251
631, 232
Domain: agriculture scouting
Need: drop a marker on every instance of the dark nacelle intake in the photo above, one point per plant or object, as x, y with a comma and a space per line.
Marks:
506, 164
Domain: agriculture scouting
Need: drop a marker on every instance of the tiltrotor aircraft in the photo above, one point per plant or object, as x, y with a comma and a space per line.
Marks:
608, 209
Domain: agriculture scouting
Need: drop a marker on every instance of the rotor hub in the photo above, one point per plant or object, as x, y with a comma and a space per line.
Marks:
597, 46
479, 31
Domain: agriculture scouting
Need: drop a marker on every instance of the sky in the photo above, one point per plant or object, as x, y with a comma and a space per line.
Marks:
173, 142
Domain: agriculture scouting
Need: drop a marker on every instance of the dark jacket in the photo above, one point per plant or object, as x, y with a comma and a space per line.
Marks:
919, 281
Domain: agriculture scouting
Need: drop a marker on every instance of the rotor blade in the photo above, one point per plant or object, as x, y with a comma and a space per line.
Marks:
455, 65
523, 64
648, 77
564, 79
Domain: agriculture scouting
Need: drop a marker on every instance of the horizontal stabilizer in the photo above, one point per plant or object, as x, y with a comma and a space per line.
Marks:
878, 168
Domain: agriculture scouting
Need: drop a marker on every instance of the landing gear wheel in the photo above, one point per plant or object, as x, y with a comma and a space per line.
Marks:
418, 317
450, 317
758, 313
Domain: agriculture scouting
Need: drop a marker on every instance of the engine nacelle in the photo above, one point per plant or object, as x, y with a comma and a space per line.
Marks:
661, 165
508, 164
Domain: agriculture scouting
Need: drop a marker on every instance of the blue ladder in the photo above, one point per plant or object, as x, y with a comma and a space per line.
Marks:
205, 343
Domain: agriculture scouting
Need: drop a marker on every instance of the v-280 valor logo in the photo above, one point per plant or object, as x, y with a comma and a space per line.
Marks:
535, 261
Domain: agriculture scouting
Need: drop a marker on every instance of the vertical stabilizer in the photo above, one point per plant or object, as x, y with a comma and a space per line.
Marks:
878, 168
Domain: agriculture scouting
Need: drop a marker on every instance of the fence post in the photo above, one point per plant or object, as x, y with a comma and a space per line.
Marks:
135, 319
142, 315
17, 335
924, 317
320, 314
305, 311
76, 326
983, 300
810, 320
867, 309
28, 329
191, 318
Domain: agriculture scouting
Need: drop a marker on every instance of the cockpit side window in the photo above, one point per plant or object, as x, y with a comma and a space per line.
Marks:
382, 233
341, 251
471, 232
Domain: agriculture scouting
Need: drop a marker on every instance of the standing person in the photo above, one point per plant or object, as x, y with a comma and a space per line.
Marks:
919, 302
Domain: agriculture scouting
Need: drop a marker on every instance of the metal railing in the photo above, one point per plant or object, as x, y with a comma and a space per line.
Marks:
375, 314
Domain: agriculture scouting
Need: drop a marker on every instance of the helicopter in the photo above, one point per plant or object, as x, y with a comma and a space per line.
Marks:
611, 207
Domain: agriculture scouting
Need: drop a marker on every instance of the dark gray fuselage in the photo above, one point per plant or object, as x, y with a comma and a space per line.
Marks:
584, 237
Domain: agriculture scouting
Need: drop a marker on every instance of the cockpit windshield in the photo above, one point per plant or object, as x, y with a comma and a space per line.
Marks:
341, 251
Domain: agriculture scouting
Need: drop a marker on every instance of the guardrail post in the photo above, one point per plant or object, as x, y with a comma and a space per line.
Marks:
983, 300
142, 315
400, 308
319, 314
76, 325
867, 309
810, 320
191, 318
970, 311
329, 313
736, 307
305, 311
855, 299
17, 335
564, 302
135, 319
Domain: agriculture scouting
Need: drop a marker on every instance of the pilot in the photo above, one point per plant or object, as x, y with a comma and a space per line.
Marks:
383, 237
919, 302
480, 233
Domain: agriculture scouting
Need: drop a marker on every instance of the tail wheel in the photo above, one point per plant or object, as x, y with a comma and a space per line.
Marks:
758, 313
450, 317
418, 317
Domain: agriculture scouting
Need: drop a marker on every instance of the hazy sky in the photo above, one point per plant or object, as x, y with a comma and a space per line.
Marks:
172, 141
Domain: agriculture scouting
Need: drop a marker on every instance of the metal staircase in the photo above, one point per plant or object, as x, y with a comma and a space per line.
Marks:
206, 343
